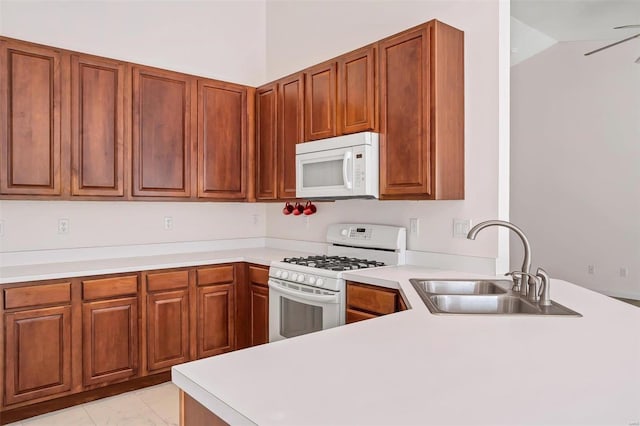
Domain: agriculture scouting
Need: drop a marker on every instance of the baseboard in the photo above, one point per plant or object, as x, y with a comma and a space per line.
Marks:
21, 413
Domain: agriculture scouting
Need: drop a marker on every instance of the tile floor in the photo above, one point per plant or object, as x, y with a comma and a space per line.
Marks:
153, 406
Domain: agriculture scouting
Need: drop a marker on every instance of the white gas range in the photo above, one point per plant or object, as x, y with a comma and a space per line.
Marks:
307, 294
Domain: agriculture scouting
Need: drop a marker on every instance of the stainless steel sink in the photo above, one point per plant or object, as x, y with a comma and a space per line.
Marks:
454, 304
480, 297
463, 286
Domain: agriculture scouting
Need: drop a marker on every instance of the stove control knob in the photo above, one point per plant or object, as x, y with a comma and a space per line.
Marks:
301, 278
344, 232
285, 274
294, 276
278, 274
312, 280
319, 282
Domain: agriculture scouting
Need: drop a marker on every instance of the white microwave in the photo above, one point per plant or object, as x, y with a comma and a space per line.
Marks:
341, 167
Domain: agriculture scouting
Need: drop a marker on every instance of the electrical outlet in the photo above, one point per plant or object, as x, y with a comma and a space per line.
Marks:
63, 226
168, 223
591, 269
624, 272
461, 227
256, 218
414, 227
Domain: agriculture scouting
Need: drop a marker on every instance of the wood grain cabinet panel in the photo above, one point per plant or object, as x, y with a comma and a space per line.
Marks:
266, 142
405, 154
215, 325
167, 329
290, 119
259, 314
422, 113
110, 340
320, 101
30, 119
222, 140
356, 91
97, 126
162, 132
38, 353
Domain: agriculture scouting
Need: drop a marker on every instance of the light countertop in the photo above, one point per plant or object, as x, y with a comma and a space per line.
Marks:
48, 271
415, 368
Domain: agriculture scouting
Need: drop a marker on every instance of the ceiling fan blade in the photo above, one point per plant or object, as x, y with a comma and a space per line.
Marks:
638, 60
612, 44
627, 26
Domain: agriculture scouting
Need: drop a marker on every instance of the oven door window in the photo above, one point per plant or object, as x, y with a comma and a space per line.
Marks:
298, 318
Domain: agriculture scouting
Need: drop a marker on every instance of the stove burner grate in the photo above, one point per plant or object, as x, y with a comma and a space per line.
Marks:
333, 263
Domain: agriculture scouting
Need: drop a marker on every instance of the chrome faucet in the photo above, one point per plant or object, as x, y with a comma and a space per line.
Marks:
536, 287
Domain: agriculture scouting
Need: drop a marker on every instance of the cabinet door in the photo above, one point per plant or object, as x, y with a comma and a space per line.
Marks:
215, 320
222, 140
356, 91
38, 353
405, 155
167, 329
320, 107
162, 132
290, 132
266, 136
259, 314
97, 132
110, 340
30, 119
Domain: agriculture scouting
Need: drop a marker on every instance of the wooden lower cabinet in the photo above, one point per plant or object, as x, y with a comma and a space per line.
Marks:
109, 340
215, 325
259, 314
38, 353
366, 301
167, 329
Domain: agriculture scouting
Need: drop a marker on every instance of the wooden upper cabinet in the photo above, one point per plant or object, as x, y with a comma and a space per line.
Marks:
222, 140
422, 113
266, 147
290, 132
405, 154
356, 91
97, 128
30, 119
162, 130
320, 101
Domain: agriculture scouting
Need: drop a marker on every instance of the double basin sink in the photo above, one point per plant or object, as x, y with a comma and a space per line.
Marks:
489, 297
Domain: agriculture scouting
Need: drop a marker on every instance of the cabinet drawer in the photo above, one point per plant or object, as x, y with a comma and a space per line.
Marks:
371, 299
109, 287
355, 316
215, 275
46, 294
259, 275
158, 281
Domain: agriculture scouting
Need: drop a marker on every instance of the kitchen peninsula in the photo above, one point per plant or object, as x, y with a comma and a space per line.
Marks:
414, 367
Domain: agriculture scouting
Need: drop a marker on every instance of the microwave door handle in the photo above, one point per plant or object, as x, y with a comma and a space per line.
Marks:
345, 169
306, 296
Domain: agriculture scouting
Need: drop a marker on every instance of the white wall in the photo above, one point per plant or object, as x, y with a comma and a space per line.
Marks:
219, 39
298, 35
575, 145
527, 41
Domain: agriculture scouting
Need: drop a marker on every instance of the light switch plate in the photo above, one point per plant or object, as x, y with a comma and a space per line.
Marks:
461, 227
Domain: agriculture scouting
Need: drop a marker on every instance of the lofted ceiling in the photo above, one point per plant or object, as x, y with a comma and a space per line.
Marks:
579, 20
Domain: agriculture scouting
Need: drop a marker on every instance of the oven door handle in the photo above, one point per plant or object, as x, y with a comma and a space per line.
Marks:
305, 296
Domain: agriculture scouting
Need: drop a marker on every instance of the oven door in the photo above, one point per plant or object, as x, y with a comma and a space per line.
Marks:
296, 309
